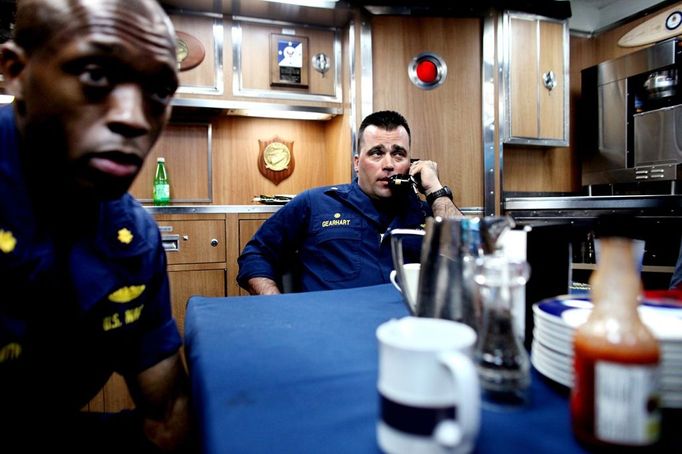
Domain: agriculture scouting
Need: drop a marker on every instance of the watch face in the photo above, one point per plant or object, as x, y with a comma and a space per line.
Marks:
673, 20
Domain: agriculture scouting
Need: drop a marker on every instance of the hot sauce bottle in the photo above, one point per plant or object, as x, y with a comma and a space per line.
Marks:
615, 395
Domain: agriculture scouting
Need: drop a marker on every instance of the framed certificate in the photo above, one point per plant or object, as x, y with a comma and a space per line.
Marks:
289, 61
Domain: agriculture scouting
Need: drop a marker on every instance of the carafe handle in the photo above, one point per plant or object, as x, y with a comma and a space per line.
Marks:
398, 262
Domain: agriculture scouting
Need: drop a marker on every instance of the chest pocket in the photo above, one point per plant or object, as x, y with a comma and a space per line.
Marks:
336, 248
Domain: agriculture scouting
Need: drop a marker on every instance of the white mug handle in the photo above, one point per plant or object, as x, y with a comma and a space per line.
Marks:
392, 277
468, 405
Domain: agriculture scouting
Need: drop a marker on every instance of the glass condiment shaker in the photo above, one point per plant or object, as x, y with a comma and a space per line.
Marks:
501, 360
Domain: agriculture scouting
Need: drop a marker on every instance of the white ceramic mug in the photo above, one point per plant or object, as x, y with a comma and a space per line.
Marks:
412, 278
428, 387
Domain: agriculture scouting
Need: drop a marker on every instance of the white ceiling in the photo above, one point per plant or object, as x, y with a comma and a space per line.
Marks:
590, 16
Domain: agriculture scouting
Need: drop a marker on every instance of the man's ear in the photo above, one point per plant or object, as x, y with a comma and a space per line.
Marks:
12, 62
355, 162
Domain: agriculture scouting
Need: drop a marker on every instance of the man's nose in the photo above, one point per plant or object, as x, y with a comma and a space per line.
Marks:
387, 161
126, 111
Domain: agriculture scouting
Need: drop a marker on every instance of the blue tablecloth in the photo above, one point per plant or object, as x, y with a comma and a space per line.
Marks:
297, 373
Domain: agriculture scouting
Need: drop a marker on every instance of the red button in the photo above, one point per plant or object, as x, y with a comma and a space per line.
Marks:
427, 71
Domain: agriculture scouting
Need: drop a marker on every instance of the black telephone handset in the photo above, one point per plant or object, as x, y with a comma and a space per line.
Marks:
403, 182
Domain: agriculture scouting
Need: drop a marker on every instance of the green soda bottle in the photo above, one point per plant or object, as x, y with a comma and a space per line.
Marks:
161, 190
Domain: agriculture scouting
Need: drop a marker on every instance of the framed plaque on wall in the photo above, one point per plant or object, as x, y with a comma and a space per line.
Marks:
289, 61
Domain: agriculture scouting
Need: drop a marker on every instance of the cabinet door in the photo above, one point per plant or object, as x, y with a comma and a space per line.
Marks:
200, 40
523, 90
247, 228
536, 80
551, 103
186, 283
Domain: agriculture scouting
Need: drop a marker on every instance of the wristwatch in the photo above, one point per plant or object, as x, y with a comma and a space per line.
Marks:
442, 192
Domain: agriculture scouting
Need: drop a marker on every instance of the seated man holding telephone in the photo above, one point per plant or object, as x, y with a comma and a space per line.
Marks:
338, 234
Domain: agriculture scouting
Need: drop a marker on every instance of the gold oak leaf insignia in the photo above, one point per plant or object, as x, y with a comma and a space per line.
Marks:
7, 241
125, 236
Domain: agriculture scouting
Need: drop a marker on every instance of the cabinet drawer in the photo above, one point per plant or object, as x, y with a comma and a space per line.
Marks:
200, 241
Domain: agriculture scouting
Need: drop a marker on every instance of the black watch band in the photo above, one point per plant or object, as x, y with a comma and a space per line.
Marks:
442, 192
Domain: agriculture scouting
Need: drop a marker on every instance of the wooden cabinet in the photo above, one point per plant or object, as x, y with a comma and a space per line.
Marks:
200, 42
535, 84
255, 62
196, 251
247, 228
226, 64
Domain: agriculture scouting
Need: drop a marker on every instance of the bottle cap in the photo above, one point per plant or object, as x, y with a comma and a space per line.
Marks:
160, 159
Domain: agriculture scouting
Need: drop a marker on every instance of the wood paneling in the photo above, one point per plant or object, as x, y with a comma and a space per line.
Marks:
186, 150
537, 169
256, 58
236, 153
339, 148
551, 110
203, 75
446, 121
115, 395
523, 70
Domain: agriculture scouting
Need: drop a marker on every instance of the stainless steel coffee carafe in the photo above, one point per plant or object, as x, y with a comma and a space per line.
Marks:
450, 247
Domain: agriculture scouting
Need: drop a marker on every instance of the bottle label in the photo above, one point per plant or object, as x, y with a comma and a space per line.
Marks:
162, 191
627, 403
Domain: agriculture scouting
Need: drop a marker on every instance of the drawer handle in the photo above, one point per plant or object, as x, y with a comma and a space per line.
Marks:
170, 242
214, 242
185, 237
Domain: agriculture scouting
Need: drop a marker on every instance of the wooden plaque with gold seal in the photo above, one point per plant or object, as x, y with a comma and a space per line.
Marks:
276, 159
189, 52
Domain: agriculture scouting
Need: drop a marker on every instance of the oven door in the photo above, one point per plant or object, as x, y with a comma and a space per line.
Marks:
658, 136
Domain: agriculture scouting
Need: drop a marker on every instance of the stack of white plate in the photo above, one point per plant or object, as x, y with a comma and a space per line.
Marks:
555, 321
